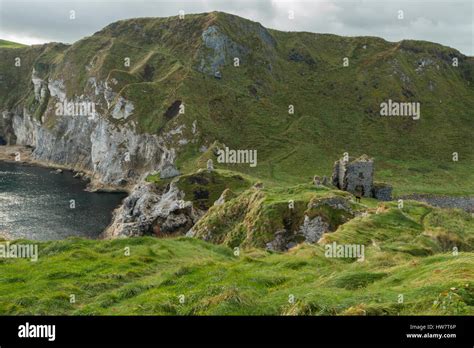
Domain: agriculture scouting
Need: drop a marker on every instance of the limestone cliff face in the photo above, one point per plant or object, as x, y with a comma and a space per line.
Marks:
115, 155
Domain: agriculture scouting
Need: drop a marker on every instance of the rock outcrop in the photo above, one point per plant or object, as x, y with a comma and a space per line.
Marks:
313, 229
256, 218
221, 48
151, 211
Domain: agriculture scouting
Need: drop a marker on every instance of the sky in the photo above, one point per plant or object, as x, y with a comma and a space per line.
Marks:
448, 22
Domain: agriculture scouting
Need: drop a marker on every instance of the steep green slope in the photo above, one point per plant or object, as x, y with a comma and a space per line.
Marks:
174, 61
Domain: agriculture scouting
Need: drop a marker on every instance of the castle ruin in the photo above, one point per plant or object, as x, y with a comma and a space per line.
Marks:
357, 177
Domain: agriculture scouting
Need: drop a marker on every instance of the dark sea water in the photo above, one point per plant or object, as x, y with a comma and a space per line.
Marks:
35, 204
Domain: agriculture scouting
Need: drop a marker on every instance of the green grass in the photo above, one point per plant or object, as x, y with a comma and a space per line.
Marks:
10, 44
252, 217
416, 229
214, 281
203, 188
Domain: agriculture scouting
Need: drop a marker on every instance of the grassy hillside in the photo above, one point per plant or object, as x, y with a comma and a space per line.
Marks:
252, 218
214, 281
10, 44
336, 108
408, 254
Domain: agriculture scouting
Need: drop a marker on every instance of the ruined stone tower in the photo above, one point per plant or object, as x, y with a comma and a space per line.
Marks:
358, 175
354, 173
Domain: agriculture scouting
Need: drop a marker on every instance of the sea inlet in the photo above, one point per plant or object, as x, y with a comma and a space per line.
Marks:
38, 203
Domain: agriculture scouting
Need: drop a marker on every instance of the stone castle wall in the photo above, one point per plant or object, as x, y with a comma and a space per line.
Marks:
359, 172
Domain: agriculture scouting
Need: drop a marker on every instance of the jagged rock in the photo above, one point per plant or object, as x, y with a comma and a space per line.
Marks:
169, 171
39, 86
220, 200
335, 202
297, 56
310, 231
210, 165
313, 229
90, 144
148, 210
175, 224
279, 243
6, 129
221, 47
56, 89
422, 63
123, 109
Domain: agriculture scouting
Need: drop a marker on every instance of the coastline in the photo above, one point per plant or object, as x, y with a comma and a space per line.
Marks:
8, 153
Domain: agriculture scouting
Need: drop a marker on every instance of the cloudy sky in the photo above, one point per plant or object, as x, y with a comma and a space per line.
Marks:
449, 22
